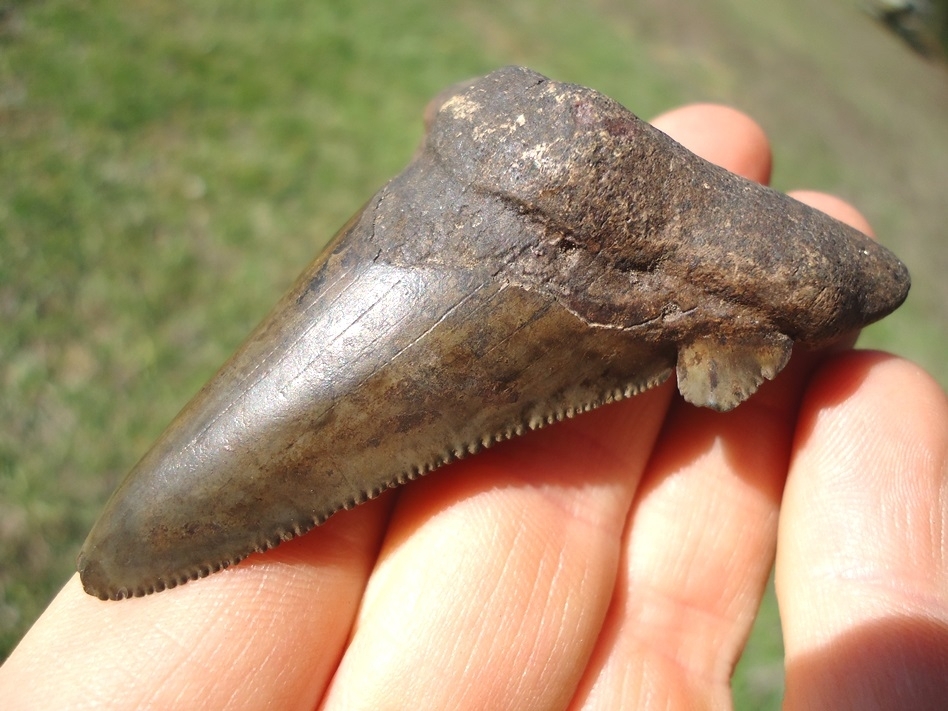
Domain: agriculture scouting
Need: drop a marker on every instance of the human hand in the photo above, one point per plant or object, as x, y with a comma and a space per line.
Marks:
611, 561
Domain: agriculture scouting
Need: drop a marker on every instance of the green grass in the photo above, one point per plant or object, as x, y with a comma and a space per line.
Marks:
167, 168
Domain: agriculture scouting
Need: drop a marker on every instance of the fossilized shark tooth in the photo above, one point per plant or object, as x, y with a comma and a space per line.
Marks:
544, 253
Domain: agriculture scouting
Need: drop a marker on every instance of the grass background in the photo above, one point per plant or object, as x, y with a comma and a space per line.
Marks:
167, 168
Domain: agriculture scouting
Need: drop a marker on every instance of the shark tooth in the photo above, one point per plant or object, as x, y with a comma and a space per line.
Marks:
544, 253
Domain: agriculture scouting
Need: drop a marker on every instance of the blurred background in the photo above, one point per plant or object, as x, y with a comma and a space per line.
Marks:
168, 168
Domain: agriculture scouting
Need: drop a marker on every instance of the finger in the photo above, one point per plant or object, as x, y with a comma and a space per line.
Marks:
862, 575
231, 640
496, 574
703, 527
722, 135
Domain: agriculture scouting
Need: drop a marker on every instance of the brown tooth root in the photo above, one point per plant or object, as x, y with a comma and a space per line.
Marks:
544, 253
